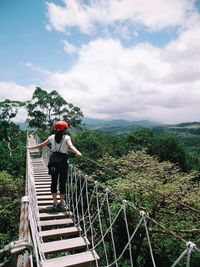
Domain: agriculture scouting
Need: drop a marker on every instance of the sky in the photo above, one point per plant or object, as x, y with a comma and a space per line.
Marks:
115, 59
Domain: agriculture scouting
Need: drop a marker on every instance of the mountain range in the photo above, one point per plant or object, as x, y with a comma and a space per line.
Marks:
120, 125
96, 123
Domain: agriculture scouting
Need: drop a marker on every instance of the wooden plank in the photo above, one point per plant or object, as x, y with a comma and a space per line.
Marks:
44, 202
38, 174
42, 187
46, 180
45, 174
42, 179
42, 183
55, 222
52, 215
60, 232
39, 183
82, 259
38, 193
46, 207
41, 174
43, 197
64, 245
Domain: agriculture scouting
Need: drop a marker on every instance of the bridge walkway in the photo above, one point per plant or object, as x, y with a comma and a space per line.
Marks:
61, 242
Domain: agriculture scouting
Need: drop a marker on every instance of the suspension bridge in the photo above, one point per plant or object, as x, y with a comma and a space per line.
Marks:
86, 233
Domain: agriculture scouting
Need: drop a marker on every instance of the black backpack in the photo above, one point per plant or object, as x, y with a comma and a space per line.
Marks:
58, 161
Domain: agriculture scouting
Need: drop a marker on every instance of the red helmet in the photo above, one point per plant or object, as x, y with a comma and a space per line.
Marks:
61, 125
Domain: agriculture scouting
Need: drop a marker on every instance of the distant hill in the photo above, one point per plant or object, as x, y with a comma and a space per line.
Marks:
99, 123
194, 125
23, 126
122, 126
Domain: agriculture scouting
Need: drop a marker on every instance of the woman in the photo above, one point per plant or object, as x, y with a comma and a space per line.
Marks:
59, 143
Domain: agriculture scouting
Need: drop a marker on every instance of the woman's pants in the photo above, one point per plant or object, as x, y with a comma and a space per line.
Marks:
62, 177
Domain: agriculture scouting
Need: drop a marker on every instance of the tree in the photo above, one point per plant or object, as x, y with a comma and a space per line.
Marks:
9, 109
151, 185
12, 139
45, 108
12, 148
169, 148
166, 147
10, 192
95, 145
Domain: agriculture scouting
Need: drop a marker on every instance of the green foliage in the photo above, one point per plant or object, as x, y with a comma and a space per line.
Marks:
169, 148
190, 137
12, 173
12, 148
95, 145
9, 109
138, 177
10, 192
45, 108
165, 147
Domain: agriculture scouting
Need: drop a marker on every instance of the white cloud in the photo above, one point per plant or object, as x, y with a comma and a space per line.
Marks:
69, 48
152, 14
13, 91
183, 56
140, 82
37, 69
72, 15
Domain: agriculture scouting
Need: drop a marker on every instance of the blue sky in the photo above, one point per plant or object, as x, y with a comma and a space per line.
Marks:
24, 39
130, 59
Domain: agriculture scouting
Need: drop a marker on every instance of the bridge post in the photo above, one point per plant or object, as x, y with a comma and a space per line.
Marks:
24, 260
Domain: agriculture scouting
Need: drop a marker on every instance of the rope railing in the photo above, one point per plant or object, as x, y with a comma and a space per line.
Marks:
25, 259
143, 185
34, 213
99, 216
116, 229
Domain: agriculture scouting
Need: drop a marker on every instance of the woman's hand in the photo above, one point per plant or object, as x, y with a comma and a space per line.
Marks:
78, 154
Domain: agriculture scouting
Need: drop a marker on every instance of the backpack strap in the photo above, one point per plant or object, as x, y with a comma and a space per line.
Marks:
61, 142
